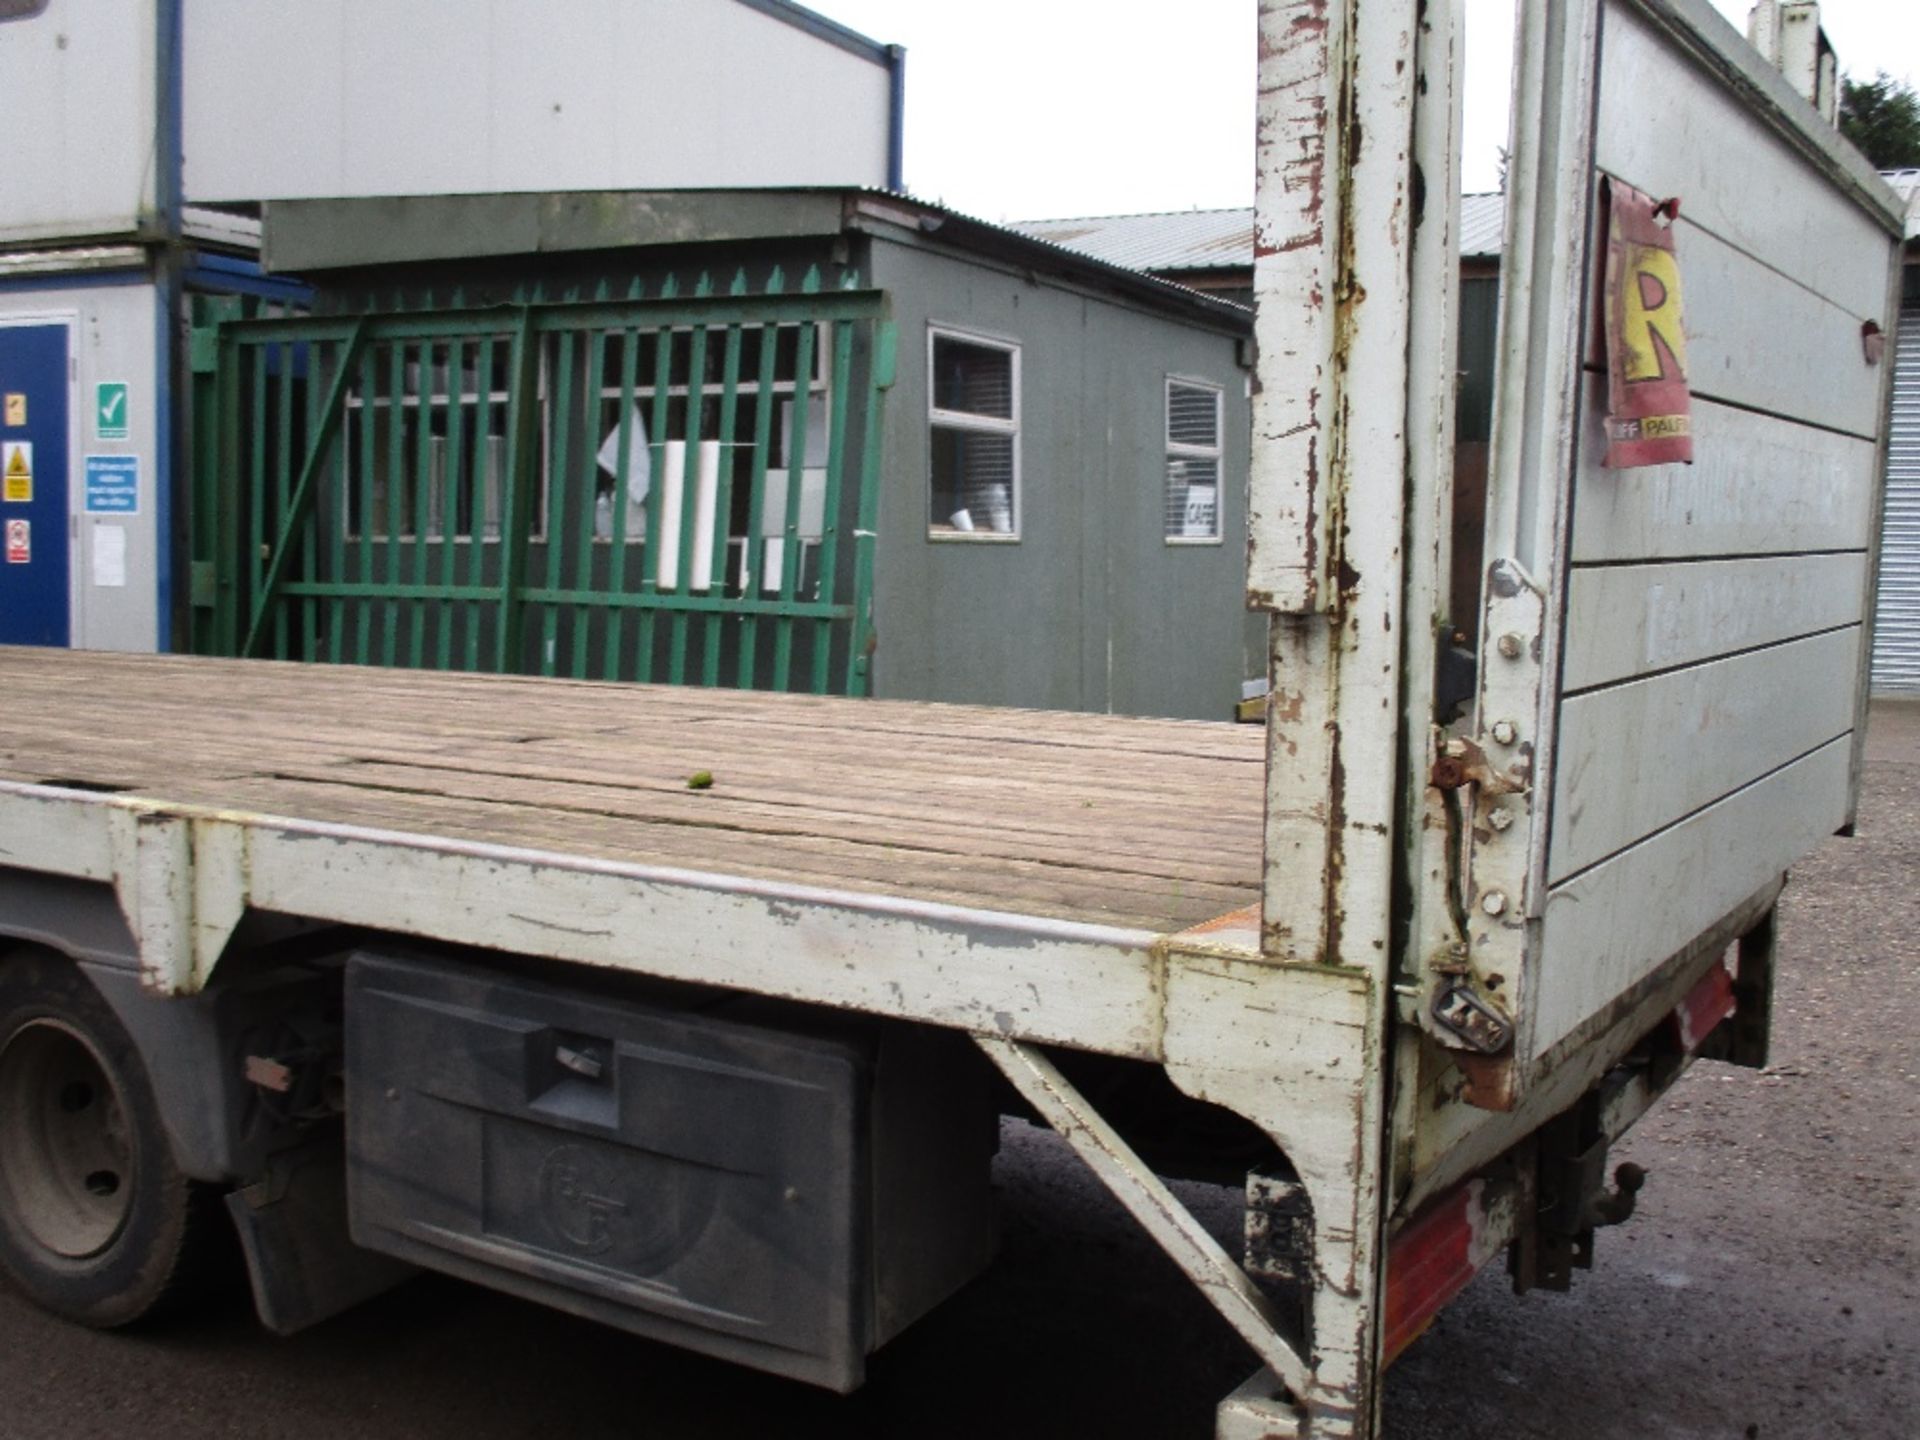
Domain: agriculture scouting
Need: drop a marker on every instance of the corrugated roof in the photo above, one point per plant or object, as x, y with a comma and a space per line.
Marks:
1169, 241
1483, 220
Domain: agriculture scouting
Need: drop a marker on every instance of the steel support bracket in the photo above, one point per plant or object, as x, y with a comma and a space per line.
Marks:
1148, 1199
182, 886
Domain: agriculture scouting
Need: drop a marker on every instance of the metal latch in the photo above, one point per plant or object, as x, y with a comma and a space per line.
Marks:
1463, 1012
1462, 762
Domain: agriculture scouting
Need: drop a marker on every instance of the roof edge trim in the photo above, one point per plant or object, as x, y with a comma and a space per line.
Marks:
822, 28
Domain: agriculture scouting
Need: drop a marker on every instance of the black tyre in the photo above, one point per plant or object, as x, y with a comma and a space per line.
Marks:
96, 1221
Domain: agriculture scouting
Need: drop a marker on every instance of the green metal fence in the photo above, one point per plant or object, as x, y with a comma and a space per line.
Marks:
667, 488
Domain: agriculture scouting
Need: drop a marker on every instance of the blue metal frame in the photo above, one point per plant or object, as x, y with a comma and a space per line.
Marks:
821, 28
897, 118
169, 198
133, 274
213, 274
169, 120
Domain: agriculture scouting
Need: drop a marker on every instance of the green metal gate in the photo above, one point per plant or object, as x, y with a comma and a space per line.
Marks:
665, 488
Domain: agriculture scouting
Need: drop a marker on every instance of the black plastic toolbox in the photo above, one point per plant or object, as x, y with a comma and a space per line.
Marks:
785, 1190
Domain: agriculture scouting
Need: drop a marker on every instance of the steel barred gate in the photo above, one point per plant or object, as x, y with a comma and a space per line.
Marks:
670, 488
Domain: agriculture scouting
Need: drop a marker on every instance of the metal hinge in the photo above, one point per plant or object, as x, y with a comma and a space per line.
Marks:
202, 585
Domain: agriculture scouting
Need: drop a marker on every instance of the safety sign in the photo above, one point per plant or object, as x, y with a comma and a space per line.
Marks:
110, 404
16, 415
113, 484
16, 472
19, 542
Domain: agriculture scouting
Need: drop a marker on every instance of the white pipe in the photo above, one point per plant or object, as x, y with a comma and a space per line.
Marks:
706, 489
673, 485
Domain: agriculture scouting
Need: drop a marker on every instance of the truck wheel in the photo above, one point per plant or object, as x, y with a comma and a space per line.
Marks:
96, 1222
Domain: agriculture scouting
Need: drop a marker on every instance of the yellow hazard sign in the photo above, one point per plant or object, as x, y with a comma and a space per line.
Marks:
16, 468
16, 408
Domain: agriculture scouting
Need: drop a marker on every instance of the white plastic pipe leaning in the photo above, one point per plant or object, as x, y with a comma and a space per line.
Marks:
673, 486
706, 489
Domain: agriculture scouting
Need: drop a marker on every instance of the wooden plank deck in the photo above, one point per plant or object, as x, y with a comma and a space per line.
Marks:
1148, 824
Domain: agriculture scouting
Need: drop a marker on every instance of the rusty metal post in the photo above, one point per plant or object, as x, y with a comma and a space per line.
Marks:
1338, 205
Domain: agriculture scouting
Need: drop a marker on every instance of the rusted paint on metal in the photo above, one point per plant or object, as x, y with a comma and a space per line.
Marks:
1297, 150
1243, 918
1336, 861
1455, 1145
1335, 333
1278, 1233
1491, 1082
1463, 761
1295, 31
1486, 783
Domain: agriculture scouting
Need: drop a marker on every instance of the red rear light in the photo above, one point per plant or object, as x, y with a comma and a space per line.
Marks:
1431, 1260
1706, 1005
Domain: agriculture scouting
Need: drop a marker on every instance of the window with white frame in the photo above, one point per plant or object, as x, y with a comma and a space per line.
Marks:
1193, 462
974, 436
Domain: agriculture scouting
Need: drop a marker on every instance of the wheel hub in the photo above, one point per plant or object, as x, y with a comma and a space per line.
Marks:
66, 1167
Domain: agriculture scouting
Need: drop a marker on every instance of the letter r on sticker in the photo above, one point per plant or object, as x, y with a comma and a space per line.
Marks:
1656, 345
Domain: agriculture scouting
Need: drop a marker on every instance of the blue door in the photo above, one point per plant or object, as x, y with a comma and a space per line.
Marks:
33, 484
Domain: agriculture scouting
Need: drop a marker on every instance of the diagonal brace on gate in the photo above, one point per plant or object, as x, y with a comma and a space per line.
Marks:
303, 491
1147, 1198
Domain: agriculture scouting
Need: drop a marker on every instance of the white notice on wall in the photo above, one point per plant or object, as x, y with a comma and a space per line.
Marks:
110, 556
1201, 520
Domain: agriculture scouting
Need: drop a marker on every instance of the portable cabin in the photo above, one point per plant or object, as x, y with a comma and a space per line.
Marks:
89, 368
1019, 470
135, 163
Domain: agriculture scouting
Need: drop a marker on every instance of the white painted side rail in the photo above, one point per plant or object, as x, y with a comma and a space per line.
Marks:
184, 875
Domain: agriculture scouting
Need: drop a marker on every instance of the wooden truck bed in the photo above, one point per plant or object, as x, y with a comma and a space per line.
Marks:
1141, 824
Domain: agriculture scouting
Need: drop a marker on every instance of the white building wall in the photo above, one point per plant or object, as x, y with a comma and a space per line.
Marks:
368, 97
77, 120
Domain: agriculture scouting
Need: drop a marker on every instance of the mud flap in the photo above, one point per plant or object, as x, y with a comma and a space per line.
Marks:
293, 1231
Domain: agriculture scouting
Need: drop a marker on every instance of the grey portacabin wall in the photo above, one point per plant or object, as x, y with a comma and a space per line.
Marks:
1090, 609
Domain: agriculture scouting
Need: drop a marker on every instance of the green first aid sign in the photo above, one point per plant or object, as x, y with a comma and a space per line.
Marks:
110, 410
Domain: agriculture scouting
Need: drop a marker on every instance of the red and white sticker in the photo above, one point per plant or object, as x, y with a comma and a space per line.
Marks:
19, 542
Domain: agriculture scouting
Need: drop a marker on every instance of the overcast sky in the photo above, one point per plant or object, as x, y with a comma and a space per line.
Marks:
1033, 109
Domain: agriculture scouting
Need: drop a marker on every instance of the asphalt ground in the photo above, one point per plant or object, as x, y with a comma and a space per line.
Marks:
1766, 1290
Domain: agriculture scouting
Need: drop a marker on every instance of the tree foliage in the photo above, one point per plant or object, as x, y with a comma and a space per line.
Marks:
1882, 117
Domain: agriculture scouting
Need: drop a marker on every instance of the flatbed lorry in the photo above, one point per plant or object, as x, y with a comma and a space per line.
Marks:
691, 1010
